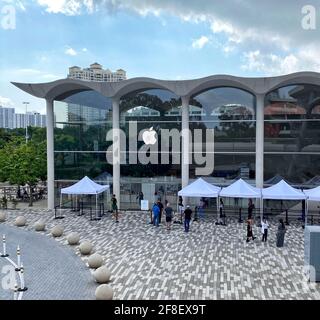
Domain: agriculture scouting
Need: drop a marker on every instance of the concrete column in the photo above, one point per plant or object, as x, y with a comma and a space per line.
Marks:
260, 145
116, 151
50, 154
185, 155
259, 140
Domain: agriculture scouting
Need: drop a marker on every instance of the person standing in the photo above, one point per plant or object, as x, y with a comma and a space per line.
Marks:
114, 207
280, 234
222, 214
168, 212
160, 205
187, 218
264, 229
250, 208
249, 229
180, 208
140, 197
156, 213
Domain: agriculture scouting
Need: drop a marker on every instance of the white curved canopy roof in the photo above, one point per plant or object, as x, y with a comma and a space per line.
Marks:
240, 189
282, 191
200, 188
85, 186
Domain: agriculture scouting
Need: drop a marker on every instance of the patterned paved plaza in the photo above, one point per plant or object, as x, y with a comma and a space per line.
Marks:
210, 262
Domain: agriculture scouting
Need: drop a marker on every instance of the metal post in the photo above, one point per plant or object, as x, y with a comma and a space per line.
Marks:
240, 216
4, 253
23, 287
18, 260
15, 294
287, 218
26, 105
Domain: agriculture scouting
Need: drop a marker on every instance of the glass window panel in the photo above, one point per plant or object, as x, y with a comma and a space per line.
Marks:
293, 102
76, 165
292, 136
225, 103
295, 168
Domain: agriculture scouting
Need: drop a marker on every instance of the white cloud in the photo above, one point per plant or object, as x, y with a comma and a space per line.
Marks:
277, 64
71, 52
5, 102
67, 7
246, 26
84, 50
200, 43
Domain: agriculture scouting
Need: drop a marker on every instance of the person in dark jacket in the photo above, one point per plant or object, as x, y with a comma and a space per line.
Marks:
160, 205
114, 207
169, 213
250, 207
187, 218
280, 234
249, 229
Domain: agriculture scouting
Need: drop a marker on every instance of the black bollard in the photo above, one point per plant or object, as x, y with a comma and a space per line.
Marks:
240, 217
287, 220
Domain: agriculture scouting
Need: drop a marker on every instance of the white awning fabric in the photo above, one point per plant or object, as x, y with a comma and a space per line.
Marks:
85, 186
240, 189
200, 188
313, 194
282, 191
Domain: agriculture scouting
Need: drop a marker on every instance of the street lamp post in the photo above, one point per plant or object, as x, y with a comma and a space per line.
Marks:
27, 122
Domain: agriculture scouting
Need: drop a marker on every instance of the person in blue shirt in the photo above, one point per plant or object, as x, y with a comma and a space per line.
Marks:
156, 214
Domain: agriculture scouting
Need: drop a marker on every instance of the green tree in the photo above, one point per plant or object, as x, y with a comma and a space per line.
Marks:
22, 163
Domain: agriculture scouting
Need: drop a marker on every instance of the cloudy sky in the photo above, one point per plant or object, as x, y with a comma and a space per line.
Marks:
166, 39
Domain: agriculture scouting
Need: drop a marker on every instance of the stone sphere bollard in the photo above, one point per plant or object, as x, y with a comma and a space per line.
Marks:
20, 221
40, 226
95, 261
2, 217
73, 238
85, 247
102, 274
57, 231
104, 292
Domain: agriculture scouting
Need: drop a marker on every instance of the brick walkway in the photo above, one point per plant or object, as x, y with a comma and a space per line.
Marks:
210, 262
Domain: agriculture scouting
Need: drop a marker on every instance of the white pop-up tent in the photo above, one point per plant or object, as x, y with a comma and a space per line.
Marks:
200, 188
282, 191
241, 189
84, 187
313, 194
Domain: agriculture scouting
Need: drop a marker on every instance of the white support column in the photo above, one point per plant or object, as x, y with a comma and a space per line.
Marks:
50, 154
116, 151
259, 140
185, 155
260, 145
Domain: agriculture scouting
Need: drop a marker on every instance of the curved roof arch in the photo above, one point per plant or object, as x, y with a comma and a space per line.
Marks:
143, 84
214, 82
181, 88
293, 79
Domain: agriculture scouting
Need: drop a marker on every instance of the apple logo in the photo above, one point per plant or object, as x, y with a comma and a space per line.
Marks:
149, 136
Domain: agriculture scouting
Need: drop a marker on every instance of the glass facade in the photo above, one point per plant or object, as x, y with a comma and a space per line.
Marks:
82, 121
292, 133
291, 138
140, 111
231, 112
